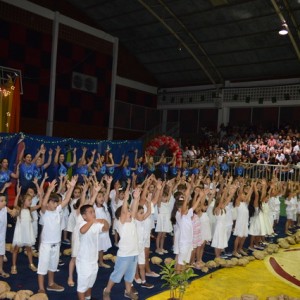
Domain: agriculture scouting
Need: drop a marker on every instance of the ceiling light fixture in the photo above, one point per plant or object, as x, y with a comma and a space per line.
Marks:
284, 29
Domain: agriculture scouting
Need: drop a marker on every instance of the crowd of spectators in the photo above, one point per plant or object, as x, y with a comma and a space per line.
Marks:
248, 146
247, 143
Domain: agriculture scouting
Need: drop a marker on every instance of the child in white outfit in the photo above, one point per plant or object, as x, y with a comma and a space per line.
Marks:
51, 236
3, 225
127, 255
87, 257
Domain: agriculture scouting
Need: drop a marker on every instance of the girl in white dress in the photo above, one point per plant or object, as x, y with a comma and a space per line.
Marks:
291, 207
163, 225
24, 235
185, 227
205, 231
101, 210
256, 228
242, 220
74, 204
220, 240
3, 225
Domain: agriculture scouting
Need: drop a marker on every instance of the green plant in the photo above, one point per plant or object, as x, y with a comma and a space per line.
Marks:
176, 282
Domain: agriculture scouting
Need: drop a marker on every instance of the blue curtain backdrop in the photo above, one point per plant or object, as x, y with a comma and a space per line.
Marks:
9, 144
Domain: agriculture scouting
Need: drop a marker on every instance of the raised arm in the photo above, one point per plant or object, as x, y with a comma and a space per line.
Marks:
57, 152
124, 209
186, 199
108, 181
91, 161
200, 198
96, 189
19, 188
160, 160
135, 203
74, 161
45, 199
39, 153
17, 174
70, 187
47, 164
158, 193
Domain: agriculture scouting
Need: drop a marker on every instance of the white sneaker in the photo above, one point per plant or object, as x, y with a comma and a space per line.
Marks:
152, 274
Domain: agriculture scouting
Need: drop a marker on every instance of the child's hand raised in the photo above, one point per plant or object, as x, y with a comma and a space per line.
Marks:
97, 187
137, 193
52, 185
73, 181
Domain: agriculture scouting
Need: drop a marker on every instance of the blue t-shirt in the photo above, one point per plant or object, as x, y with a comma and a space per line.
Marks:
185, 172
195, 171
82, 170
164, 168
102, 171
126, 173
4, 178
110, 170
26, 175
224, 167
150, 169
62, 169
239, 171
173, 171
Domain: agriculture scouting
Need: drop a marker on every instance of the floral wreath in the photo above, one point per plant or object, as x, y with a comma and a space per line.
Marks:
168, 141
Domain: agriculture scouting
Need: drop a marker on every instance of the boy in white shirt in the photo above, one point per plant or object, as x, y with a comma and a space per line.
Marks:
51, 236
128, 247
87, 257
3, 225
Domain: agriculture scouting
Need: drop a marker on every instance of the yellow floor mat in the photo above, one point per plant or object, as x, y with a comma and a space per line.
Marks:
262, 278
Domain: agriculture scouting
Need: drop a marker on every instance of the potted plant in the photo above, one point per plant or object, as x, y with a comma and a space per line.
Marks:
176, 282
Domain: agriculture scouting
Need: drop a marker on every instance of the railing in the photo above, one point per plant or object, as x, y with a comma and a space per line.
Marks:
247, 170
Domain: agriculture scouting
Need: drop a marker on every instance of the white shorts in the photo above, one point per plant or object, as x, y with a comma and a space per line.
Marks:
184, 255
2, 247
86, 275
48, 258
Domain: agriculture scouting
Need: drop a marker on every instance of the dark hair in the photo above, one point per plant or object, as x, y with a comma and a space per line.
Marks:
26, 153
3, 195
118, 212
53, 197
177, 195
77, 204
84, 208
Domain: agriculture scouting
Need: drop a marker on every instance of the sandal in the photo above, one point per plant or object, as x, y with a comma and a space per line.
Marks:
13, 270
71, 283
32, 267
4, 275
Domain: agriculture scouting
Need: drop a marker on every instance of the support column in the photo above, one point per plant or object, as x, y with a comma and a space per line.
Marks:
55, 28
164, 121
110, 133
223, 116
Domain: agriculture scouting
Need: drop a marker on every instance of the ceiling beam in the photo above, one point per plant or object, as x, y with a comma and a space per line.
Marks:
149, 9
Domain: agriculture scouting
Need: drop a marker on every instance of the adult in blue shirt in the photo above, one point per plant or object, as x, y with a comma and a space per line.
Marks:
40, 167
84, 165
6, 175
139, 168
27, 168
60, 163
